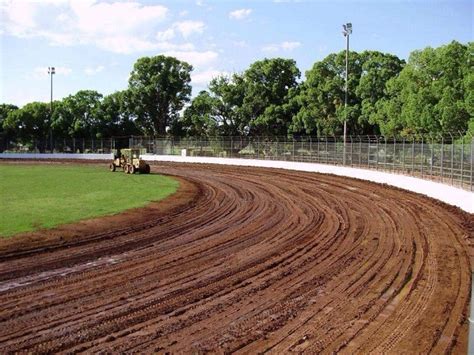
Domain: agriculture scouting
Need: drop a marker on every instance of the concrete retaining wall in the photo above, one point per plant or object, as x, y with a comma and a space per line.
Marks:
55, 156
449, 194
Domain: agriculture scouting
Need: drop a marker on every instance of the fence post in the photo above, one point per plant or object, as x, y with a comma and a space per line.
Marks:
352, 150
377, 154
294, 157
462, 161
422, 157
385, 154
360, 150
432, 157
317, 150
472, 161
327, 152
258, 147
452, 159
442, 158
394, 152
368, 151
403, 154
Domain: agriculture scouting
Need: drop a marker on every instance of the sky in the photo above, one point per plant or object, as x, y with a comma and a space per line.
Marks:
93, 44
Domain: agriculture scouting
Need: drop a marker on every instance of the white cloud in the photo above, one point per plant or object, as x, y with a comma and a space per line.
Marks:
204, 77
92, 71
121, 27
165, 35
195, 58
41, 72
168, 46
125, 44
289, 46
285, 46
240, 14
115, 18
187, 28
184, 13
241, 44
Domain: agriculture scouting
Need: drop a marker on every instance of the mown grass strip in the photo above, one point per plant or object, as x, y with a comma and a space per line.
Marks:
44, 196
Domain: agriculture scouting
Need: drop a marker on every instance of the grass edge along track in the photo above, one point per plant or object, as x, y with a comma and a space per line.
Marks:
40, 196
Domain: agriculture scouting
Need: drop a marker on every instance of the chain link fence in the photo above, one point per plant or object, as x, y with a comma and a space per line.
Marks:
448, 160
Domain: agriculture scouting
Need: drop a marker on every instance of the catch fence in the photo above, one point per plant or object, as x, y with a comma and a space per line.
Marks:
445, 159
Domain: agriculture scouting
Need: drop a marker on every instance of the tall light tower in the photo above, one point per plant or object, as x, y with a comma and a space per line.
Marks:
347, 31
51, 72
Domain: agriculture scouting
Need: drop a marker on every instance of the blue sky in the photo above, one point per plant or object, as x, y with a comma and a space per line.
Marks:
94, 44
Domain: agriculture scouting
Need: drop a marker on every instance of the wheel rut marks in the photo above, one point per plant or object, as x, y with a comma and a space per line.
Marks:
257, 260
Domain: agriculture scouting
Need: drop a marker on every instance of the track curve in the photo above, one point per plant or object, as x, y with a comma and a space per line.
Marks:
260, 260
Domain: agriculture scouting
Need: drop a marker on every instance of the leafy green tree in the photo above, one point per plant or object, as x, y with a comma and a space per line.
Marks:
321, 100
199, 119
78, 115
114, 116
267, 84
322, 96
29, 124
377, 69
432, 94
159, 87
228, 95
5, 134
5, 109
217, 111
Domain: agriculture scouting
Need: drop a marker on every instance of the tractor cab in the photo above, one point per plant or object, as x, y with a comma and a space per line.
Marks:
130, 161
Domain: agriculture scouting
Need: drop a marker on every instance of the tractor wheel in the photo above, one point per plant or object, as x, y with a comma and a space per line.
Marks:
131, 169
125, 169
112, 167
147, 169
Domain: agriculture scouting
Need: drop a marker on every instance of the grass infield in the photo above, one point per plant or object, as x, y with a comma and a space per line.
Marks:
44, 196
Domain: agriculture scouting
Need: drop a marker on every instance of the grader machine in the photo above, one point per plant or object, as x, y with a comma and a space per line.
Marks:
129, 160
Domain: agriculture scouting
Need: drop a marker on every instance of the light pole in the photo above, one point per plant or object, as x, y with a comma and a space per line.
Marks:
51, 72
347, 30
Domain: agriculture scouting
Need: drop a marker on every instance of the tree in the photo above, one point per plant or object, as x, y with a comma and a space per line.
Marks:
115, 118
5, 134
377, 69
321, 99
267, 86
431, 95
30, 124
78, 115
199, 119
159, 87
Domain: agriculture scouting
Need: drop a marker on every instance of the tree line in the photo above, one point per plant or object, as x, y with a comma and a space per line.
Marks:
431, 94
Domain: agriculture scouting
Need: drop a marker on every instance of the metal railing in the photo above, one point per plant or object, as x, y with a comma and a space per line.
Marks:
445, 159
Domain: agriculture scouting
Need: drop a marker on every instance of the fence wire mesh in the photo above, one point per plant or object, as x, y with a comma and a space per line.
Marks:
448, 160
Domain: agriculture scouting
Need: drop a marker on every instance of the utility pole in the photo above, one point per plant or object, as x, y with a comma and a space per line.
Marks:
347, 31
51, 72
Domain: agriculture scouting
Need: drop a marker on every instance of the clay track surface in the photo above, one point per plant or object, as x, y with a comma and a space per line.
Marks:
256, 260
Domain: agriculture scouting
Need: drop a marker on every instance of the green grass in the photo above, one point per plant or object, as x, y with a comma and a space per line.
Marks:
42, 196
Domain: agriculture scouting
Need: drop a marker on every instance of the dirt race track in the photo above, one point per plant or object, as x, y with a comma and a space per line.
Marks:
247, 260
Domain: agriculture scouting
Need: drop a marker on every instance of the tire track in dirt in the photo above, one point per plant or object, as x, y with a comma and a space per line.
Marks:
259, 260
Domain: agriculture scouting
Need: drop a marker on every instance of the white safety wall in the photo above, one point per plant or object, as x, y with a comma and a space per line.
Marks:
56, 156
449, 194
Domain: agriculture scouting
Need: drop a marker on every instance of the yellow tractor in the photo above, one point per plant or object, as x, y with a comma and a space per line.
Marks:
129, 160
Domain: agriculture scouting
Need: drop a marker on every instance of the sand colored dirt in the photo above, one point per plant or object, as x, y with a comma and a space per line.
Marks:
246, 260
